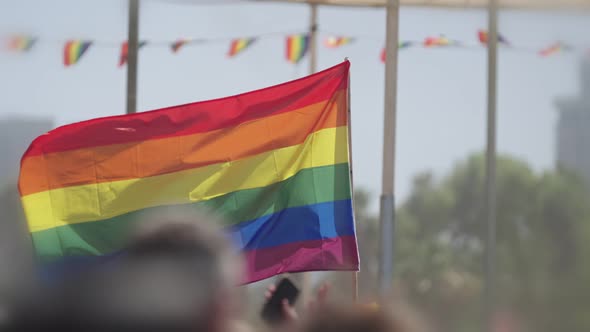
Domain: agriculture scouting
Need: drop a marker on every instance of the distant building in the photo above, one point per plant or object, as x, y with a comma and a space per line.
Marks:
16, 133
573, 128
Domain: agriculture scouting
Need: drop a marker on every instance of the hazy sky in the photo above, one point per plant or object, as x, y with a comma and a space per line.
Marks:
441, 92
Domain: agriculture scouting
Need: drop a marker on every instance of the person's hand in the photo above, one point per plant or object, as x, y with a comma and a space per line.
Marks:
289, 312
321, 297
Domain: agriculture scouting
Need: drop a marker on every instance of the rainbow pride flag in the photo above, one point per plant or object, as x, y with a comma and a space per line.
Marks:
176, 45
125, 52
274, 162
297, 46
21, 43
238, 45
73, 51
335, 41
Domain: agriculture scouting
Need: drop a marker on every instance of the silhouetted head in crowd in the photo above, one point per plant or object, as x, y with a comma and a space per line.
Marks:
178, 274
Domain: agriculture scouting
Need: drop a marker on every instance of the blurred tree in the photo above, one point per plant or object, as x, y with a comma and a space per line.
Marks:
367, 229
542, 240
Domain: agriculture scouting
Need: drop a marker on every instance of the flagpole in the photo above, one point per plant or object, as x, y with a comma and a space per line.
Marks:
355, 280
387, 206
132, 46
490, 183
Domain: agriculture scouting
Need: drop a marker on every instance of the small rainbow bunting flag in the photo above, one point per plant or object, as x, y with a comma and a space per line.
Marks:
402, 45
21, 43
335, 42
297, 46
439, 42
483, 37
238, 45
125, 50
176, 45
73, 51
405, 44
554, 49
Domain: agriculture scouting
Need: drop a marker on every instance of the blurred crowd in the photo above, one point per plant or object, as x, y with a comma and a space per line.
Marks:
178, 273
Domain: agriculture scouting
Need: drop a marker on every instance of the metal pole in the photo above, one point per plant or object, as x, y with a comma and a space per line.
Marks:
387, 207
313, 30
132, 47
490, 184
313, 27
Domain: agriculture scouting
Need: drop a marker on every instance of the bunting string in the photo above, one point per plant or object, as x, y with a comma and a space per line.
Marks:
296, 45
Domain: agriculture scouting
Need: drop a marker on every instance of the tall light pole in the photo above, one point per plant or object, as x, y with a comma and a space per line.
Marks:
132, 47
490, 182
313, 54
313, 32
387, 207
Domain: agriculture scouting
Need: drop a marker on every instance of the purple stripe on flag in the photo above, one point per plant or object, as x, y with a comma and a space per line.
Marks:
339, 253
